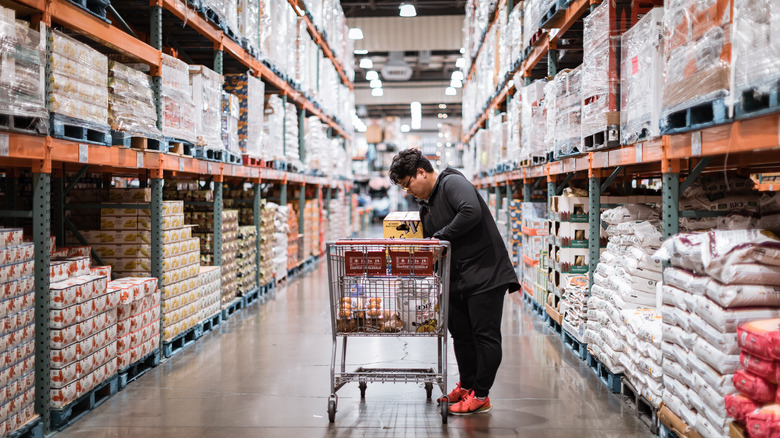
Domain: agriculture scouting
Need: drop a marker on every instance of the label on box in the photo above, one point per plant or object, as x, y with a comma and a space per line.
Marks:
358, 263
406, 263
83, 153
5, 149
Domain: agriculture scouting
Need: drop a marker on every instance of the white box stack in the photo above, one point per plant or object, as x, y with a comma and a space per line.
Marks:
209, 292
138, 319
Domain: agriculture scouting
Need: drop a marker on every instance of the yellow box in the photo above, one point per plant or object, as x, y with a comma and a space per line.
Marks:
403, 225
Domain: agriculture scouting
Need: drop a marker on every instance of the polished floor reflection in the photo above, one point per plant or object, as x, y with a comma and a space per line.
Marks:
265, 373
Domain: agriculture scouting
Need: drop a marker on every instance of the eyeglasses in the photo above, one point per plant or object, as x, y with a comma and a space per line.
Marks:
406, 185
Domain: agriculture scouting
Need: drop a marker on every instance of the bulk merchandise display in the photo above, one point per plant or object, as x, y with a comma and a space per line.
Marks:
209, 292
294, 238
267, 250
179, 112
533, 120
207, 100
273, 131
247, 259
250, 92
138, 319
17, 342
535, 253
22, 56
318, 152
563, 101
311, 237
131, 108
78, 89
291, 146
515, 240
230, 116
338, 218
281, 239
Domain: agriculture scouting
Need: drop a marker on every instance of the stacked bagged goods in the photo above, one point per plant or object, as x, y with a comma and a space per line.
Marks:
273, 130
533, 119
22, 61
230, 246
624, 325
131, 106
17, 337
293, 237
318, 152
514, 130
311, 239
756, 53
280, 239
267, 215
138, 319
83, 327
207, 100
209, 292
241, 200
230, 116
291, 153
247, 259
179, 112
697, 58
338, 218
77, 83
250, 92
641, 68
563, 101
718, 280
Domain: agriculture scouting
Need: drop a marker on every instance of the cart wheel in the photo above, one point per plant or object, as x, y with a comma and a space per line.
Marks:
332, 402
445, 411
428, 389
362, 386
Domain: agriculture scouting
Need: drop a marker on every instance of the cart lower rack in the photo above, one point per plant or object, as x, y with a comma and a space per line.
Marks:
388, 288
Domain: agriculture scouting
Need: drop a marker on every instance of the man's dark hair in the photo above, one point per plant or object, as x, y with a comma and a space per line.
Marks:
406, 163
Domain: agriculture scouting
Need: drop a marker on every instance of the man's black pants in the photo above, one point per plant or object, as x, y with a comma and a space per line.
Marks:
475, 325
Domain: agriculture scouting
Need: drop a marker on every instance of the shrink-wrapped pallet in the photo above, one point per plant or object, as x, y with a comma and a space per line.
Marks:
533, 121
22, 61
567, 92
179, 115
131, 107
317, 144
515, 29
273, 146
642, 79
207, 100
230, 115
249, 16
78, 82
291, 152
251, 94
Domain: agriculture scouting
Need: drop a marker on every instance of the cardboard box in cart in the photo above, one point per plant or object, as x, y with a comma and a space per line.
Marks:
403, 225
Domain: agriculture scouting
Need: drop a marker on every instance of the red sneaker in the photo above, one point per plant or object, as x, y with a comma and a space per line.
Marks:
454, 396
471, 405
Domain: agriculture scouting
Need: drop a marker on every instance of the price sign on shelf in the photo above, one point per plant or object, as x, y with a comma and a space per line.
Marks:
696, 143
83, 153
5, 149
208, 167
639, 153
139, 160
181, 165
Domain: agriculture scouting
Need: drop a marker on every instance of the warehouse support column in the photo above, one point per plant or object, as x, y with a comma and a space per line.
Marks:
527, 190
218, 181
41, 234
256, 208
58, 206
157, 234
594, 220
302, 215
497, 192
552, 62
219, 58
301, 135
156, 42
284, 126
670, 192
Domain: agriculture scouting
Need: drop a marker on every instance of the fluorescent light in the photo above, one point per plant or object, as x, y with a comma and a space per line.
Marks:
460, 63
416, 123
366, 63
371, 75
456, 83
405, 128
457, 74
407, 10
376, 83
462, 50
450, 91
355, 33
360, 52
377, 92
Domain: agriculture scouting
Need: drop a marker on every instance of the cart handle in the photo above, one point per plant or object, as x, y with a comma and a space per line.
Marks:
432, 242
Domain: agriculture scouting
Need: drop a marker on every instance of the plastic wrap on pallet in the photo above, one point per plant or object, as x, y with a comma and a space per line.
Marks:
482, 142
567, 114
78, 81
317, 144
178, 108
207, 99
251, 94
533, 120
697, 52
229, 115
756, 52
249, 17
131, 107
551, 91
266, 23
514, 128
600, 74
642, 79
504, 47
291, 151
273, 148
22, 61
230, 12
515, 29
303, 44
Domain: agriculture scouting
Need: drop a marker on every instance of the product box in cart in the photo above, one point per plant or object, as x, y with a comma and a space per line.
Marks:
403, 225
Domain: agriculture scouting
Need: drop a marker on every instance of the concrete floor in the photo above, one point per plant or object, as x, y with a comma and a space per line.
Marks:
266, 373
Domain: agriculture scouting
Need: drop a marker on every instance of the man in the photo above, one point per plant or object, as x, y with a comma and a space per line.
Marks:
480, 272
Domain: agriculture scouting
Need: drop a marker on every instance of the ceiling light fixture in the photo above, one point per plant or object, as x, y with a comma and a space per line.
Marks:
416, 108
360, 52
457, 74
450, 91
355, 33
407, 10
377, 92
460, 63
455, 83
372, 75
366, 63
405, 128
376, 83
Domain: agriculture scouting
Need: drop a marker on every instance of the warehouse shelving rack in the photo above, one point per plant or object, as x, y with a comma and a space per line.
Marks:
746, 146
50, 158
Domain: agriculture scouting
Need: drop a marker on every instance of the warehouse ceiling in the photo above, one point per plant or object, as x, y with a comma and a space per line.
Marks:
414, 57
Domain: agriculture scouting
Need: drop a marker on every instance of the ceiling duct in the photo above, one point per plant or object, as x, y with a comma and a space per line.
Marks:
396, 69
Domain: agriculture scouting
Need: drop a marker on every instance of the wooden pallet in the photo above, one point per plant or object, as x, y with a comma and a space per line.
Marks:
139, 368
608, 378
645, 411
181, 341
695, 117
94, 7
607, 139
578, 347
68, 128
64, 417
211, 323
758, 101
24, 124
232, 308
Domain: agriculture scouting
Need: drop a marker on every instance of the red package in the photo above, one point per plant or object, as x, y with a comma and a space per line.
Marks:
754, 387
760, 338
762, 423
758, 366
738, 407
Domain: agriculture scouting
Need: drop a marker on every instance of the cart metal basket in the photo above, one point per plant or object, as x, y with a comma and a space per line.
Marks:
388, 288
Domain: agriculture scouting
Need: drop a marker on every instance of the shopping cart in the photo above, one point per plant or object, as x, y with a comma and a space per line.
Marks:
388, 288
